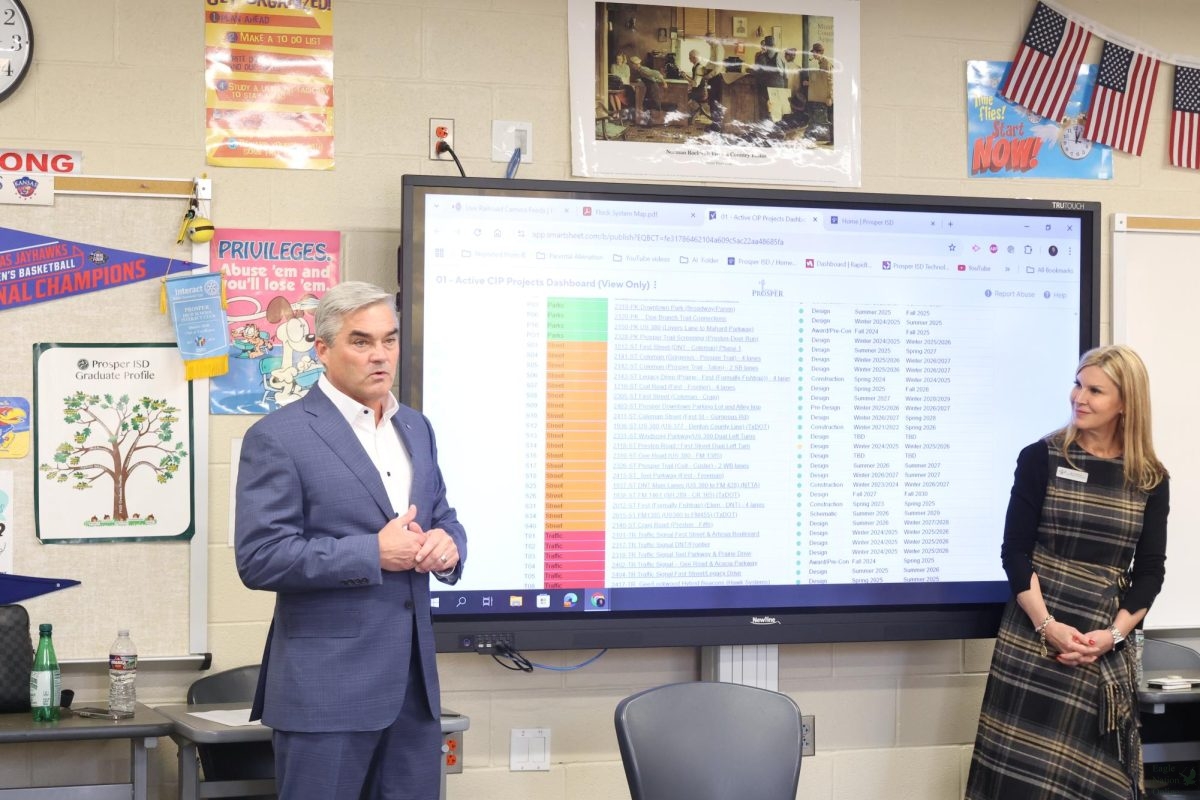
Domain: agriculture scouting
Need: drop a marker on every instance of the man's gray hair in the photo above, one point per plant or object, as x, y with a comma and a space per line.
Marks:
343, 300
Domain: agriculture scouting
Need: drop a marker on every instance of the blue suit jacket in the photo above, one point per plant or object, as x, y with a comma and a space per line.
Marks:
309, 506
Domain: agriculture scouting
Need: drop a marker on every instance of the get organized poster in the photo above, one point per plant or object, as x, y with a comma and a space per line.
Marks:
1005, 140
269, 83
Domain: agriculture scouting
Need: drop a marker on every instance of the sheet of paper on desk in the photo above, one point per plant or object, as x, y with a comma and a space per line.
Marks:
232, 717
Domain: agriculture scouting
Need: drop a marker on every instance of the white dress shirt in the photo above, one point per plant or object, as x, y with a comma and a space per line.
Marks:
382, 442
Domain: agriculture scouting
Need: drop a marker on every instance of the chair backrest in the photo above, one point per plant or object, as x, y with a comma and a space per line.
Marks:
241, 761
710, 741
1159, 654
231, 686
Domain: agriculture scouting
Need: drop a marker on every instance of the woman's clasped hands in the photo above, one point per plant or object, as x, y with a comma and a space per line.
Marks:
1073, 648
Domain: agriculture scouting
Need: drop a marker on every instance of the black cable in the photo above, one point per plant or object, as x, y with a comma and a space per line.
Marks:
522, 664
519, 662
509, 666
443, 147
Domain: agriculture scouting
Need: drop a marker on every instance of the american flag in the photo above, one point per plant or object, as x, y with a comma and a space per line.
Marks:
1120, 109
1185, 119
1044, 69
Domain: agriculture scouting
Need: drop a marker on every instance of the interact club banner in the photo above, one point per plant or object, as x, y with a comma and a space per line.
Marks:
36, 268
197, 305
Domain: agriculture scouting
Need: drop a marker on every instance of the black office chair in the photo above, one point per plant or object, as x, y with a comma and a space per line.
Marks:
243, 760
710, 741
1159, 655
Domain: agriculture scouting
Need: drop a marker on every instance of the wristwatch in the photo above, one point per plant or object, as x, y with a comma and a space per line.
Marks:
1117, 636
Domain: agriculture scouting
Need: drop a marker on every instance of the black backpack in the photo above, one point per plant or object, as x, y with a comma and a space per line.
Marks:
16, 659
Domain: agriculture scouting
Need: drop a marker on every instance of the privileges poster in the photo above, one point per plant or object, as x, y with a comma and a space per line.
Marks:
273, 280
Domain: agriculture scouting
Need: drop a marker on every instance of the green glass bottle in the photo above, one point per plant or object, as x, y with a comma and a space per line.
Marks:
45, 682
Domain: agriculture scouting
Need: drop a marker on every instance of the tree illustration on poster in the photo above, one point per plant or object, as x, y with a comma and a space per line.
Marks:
115, 443
114, 438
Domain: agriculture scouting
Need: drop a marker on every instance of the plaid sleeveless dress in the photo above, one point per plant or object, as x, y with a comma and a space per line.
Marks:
1049, 731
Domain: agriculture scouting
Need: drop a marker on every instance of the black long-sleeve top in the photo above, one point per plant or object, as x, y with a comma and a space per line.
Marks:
1024, 513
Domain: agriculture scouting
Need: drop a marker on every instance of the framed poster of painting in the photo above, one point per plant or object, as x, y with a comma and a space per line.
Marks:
114, 443
726, 100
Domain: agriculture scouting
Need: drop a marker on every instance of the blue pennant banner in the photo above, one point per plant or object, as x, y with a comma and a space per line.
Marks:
197, 305
36, 268
15, 588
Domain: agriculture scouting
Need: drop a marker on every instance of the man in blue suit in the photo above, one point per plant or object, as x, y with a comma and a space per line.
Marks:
342, 512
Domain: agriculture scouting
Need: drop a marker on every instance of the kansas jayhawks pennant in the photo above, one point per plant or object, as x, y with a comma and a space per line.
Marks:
36, 268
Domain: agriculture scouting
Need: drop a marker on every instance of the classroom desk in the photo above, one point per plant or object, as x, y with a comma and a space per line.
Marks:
188, 731
1156, 702
142, 730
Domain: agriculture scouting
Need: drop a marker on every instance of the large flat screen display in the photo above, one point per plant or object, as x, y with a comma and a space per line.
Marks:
695, 416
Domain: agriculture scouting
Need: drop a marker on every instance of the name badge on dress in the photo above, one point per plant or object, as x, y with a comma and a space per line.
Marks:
1072, 474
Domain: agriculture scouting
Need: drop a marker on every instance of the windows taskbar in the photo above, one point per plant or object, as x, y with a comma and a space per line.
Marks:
449, 601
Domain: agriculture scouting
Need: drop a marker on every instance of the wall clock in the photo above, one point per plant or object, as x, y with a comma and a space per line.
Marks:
16, 45
1072, 142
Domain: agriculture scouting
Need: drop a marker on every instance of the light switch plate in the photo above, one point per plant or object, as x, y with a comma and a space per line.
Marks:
530, 750
507, 136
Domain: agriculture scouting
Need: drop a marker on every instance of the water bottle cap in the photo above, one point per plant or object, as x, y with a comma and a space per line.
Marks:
122, 632
45, 627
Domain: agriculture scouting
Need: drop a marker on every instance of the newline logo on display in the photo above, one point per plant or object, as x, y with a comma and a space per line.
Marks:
764, 621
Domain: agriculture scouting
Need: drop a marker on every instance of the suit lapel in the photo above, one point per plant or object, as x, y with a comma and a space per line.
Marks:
328, 423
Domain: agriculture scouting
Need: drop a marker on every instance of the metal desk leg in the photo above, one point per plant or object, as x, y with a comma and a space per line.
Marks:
189, 769
137, 765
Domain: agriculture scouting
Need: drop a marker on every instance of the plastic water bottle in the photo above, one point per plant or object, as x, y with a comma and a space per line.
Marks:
122, 672
45, 682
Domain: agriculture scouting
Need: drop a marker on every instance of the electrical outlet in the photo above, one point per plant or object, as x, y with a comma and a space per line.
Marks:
808, 735
440, 130
452, 753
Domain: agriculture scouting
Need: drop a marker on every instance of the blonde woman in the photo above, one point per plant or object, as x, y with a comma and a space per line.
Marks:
1059, 717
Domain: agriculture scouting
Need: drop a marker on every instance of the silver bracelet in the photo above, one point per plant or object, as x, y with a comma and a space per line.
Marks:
1040, 630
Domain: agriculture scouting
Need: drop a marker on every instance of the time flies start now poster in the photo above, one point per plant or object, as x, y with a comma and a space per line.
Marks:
1005, 140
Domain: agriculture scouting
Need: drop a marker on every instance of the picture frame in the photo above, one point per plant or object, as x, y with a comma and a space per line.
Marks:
740, 28
82, 391
651, 138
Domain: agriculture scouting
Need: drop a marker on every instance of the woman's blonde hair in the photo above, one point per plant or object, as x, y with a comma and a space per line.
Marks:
1126, 369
